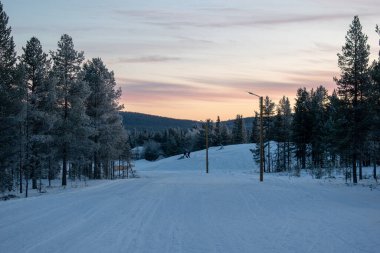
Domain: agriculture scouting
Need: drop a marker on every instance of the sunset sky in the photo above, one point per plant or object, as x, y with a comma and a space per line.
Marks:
196, 59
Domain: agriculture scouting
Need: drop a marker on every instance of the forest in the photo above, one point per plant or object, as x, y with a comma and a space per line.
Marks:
60, 117
59, 114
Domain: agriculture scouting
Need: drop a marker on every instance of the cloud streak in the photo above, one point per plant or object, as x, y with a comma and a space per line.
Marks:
149, 59
209, 89
145, 91
214, 18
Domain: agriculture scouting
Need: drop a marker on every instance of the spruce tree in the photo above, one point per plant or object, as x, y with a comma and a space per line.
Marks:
301, 126
353, 86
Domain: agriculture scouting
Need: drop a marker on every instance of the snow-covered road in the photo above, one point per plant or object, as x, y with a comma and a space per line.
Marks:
194, 212
175, 207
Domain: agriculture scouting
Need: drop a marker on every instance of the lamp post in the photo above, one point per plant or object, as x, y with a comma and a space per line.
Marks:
207, 146
261, 137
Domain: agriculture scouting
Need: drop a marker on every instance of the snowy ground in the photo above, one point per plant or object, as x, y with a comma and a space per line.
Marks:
176, 207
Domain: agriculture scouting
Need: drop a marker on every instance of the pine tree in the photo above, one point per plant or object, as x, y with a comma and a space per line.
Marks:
103, 110
70, 97
238, 130
282, 133
301, 126
256, 138
200, 141
218, 132
38, 112
352, 87
318, 117
268, 112
225, 134
172, 143
374, 101
11, 106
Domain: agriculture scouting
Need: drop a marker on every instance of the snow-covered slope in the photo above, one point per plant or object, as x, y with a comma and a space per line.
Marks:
176, 207
221, 159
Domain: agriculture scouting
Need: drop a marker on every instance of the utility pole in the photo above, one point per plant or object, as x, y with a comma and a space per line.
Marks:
261, 141
261, 137
207, 146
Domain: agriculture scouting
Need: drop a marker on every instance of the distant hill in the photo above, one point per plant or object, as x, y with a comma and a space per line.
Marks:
141, 122
247, 122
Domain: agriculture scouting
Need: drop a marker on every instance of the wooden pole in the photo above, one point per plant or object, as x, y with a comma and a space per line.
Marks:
207, 146
261, 142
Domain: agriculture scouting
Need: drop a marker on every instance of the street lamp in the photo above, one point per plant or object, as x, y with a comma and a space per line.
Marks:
207, 121
261, 137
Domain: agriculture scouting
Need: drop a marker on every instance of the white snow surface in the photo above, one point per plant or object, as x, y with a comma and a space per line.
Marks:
176, 207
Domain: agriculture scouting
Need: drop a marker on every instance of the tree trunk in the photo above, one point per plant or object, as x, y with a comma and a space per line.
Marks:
26, 184
374, 168
360, 168
50, 174
303, 157
20, 158
64, 167
354, 176
96, 167
269, 156
120, 166
374, 171
288, 151
278, 157
33, 176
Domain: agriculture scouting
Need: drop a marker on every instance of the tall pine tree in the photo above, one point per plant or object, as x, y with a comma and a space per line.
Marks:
301, 126
70, 98
103, 110
39, 116
11, 106
352, 86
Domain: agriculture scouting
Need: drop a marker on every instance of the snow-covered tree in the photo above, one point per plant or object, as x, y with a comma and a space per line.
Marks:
39, 113
102, 108
71, 95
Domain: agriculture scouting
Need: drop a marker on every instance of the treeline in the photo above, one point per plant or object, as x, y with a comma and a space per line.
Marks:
174, 141
146, 122
59, 114
340, 130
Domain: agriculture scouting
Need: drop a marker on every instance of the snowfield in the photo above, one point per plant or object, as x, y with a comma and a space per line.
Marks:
176, 207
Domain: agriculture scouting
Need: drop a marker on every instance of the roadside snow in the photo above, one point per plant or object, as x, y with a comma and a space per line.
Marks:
176, 207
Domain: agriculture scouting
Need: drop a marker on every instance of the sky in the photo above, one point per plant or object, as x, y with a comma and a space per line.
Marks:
197, 59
